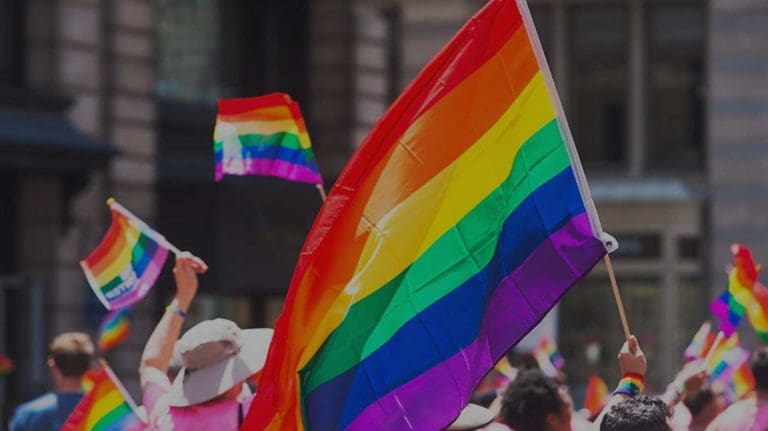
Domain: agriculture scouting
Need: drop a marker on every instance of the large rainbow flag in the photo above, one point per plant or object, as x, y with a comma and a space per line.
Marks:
733, 303
263, 135
126, 264
107, 406
458, 224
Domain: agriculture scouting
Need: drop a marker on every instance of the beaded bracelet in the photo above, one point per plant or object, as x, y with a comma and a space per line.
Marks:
630, 384
176, 310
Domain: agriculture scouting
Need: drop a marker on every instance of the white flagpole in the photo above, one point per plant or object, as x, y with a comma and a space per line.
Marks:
113, 204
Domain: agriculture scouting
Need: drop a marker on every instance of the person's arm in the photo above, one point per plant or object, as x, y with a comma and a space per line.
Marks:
159, 349
688, 381
633, 364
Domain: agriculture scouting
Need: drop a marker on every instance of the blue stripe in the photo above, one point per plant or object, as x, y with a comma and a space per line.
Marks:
297, 157
142, 254
451, 323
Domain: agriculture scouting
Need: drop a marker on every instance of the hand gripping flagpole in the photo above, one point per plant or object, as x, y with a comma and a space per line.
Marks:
113, 204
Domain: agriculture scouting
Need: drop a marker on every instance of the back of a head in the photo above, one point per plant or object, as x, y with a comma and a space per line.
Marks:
759, 365
640, 413
697, 401
529, 399
72, 352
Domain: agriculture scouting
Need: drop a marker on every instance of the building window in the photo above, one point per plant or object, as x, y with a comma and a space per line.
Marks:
598, 82
613, 53
190, 60
676, 84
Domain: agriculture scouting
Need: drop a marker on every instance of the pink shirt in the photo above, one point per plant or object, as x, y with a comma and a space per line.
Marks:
220, 415
744, 415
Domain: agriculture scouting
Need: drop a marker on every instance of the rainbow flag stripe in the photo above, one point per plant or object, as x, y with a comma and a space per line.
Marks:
732, 304
700, 344
743, 381
114, 329
263, 136
757, 311
596, 396
106, 407
458, 224
126, 264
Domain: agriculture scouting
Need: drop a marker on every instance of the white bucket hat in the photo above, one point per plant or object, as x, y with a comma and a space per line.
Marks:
472, 417
215, 356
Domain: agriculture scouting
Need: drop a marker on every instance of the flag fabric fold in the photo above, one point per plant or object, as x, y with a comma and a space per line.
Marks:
125, 265
263, 135
457, 225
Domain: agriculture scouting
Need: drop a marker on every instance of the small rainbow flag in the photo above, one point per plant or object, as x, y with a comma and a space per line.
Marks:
701, 343
725, 358
458, 224
114, 328
126, 264
548, 357
506, 369
106, 407
596, 396
731, 305
263, 136
743, 381
7, 365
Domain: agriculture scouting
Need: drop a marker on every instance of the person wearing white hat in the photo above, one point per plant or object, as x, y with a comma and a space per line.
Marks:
209, 392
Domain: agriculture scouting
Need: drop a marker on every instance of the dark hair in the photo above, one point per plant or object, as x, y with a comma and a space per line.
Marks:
759, 364
698, 400
529, 399
72, 364
640, 413
71, 352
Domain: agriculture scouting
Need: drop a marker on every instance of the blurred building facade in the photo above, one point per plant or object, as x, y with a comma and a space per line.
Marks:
666, 100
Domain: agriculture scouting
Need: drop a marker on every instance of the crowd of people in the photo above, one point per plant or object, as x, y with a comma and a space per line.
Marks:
200, 381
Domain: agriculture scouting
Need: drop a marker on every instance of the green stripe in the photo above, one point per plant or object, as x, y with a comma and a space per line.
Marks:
112, 284
442, 267
113, 416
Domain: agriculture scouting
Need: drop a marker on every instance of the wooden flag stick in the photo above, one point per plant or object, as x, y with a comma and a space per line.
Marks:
321, 189
617, 296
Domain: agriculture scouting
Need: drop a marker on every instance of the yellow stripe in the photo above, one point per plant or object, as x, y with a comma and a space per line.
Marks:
416, 223
255, 128
103, 406
123, 259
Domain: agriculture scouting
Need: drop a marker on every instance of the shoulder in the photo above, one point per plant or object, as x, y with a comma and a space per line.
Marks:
32, 410
42, 403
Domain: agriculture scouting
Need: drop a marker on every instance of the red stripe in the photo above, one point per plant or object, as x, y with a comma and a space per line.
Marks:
113, 235
241, 105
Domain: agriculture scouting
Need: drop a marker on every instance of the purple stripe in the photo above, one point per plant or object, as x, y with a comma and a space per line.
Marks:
274, 168
146, 281
433, 399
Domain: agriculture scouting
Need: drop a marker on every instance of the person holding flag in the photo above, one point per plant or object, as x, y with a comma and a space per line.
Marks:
217, 358
749, 414
69, 359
